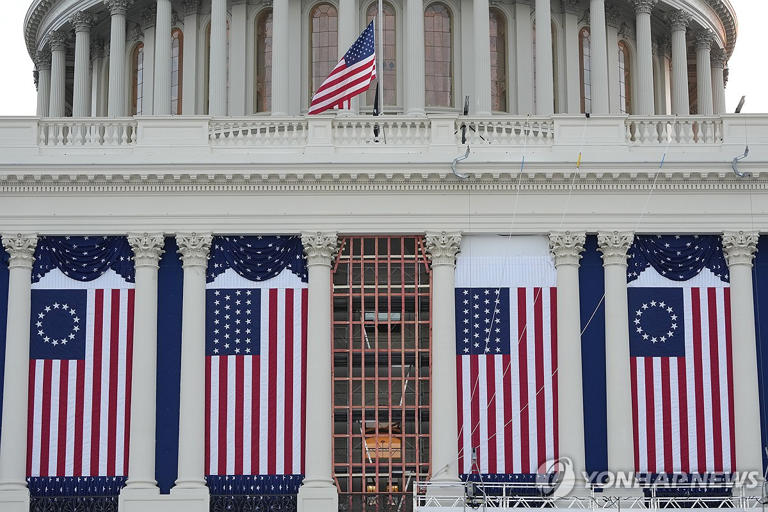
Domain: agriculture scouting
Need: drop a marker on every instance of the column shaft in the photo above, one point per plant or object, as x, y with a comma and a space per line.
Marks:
43, 63
189, 93
237, 64
482, 57
347, 34
13, 442
545, 85
644, 69
614, 247
718, 82
58, 74
217, 79
680, 100
572, 71
612, 38
704, 74
414, 57
524, 36
97, 63
117, 100
162, 85
599, 71
81, 97
280, 58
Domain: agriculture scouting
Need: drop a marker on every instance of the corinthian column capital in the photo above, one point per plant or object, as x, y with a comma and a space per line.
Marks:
680, 19
43, 59
740, 247
566, 247
147, 248
117, 6
191, 7
194, 248
443, 246
58, 40
644, 6
21, 248
704, 39
320, 246
614, 246
82, 21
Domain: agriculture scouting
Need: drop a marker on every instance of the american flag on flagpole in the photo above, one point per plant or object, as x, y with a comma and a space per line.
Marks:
351, 76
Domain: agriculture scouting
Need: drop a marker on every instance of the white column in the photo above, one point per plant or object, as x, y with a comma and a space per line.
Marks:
566, 248
600, 104
43, 63
58, 42
718, 81
237, 65
614, 246
194, 249
739, 248
704, 40
347, 33
81, 97
280, 58
14, 495
644, 68
442, 248
545, 99
217, 80
612, 16
524, 35
189, 93
660, 73
117, 82
97, 65
679, 21
318, 492
162, 82
482, 57
572, 71
414, 57
147, 249
148, 20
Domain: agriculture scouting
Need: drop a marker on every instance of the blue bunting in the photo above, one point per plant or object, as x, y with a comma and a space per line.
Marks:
4, 258
76, 486
254, 484
83, 258
257, 258
677, 257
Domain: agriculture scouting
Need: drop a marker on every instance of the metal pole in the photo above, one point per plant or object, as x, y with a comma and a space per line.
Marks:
380, 64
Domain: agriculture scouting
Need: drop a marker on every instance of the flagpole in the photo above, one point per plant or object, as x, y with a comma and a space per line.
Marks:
380, 63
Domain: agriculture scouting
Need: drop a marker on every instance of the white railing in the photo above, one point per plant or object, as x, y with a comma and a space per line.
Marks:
507, 131
87, 132
259, 131
427, 495
400, 131
669, 130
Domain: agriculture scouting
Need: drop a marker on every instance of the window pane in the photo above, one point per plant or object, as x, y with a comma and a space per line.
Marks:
264, 62
390, 54
438, 52
324, 44
498, 61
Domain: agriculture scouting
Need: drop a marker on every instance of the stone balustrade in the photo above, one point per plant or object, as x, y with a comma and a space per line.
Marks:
666, 130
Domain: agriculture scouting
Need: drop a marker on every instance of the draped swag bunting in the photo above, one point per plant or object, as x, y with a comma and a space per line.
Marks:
83, 258
677, 257
257, 258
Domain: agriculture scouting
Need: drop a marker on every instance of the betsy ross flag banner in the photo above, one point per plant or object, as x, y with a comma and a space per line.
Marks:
506, 355
680, 355
351, 76
81, 341
255, 359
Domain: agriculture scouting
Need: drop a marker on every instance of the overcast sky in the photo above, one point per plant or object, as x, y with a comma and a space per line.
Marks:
747, 76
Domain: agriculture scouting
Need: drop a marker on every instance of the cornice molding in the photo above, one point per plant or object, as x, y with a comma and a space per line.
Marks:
443, 246
566, 247
21, 249
147, 248
320, 247
194, 248
740, 247
614, 246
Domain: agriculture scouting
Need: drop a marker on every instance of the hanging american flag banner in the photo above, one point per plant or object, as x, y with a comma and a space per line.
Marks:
81, 340
351, 76
255, 359
680, 355
506, 355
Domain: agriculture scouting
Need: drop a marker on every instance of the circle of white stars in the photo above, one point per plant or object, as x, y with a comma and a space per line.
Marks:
664, 307
72, 332
226, 333
488, 329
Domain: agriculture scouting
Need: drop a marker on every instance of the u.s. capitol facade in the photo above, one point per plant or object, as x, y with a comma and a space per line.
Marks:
179, 126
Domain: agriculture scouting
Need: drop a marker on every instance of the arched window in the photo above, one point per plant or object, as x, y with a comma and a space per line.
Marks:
438, 46
263, 97
389, 74
324, 44
585, 67
498, 25
177, 50
137, 80
625, 79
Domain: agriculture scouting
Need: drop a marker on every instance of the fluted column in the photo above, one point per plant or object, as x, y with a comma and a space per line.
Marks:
162, 93
545, 84
58, 42
572, 72
660, 52
740, 248
704, 40
482, 57
414, 57
13, 443
599, 71
81, 97
117, 81
189, 96
442, 248
97, 63
43, 64
217, 80
679, 21
524, 57
280, 58
318, 492
614, 246
613, 16
148, 21
644, 105
238, 31
718, 80
147, 249
566, 247
194, 249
